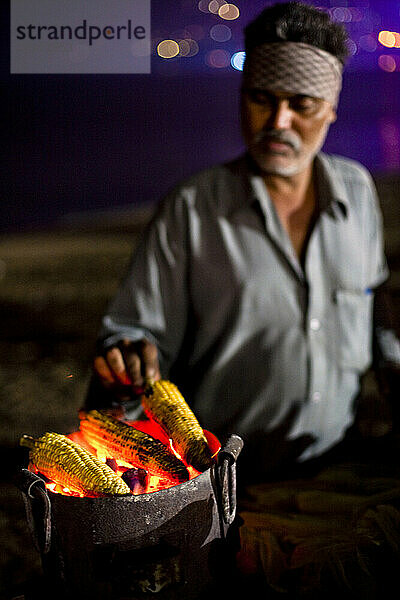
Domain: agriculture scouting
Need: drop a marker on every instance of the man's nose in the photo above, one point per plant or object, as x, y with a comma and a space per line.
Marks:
281, 116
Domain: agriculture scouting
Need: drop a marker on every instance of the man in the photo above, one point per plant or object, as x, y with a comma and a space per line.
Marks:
252, 289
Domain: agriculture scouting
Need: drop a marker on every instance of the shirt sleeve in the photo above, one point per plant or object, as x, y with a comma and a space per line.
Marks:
386, 326
152, 300
379, 267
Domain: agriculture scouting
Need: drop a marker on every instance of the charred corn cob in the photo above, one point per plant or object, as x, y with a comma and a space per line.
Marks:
67, 463
164, 403
124, 442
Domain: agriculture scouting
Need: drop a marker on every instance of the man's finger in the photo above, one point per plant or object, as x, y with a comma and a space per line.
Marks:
116, 363
103, 370
133, 362
150, 366
133, 365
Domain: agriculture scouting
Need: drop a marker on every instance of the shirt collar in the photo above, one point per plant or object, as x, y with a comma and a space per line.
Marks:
331, 190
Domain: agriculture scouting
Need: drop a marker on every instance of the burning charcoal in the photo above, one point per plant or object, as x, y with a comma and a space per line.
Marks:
136, 479
112, 463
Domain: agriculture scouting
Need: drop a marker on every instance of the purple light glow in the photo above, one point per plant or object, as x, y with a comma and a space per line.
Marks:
389, 134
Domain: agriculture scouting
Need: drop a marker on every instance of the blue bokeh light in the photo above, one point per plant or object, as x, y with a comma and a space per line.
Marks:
237, 60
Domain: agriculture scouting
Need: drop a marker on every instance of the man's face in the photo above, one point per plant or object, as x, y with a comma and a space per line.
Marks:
284, 132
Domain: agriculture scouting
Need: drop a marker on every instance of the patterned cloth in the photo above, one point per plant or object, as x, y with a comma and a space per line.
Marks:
296, 68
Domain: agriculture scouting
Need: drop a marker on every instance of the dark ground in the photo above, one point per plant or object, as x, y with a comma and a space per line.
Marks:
54, 289
55, 286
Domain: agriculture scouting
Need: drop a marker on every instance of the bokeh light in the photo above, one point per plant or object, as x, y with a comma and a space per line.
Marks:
387, 63
168, 49
203, 5
188, 48
229, 12
352, 46
184, 47
220, 33
219, 59
387, 38
237, 60
341, 14
215, 5
356, 14
368, 43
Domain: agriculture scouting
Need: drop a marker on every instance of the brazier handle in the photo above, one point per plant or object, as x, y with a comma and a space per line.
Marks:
37, 506
227, 476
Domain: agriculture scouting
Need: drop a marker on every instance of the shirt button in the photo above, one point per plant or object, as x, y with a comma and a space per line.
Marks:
315, 324
316, 397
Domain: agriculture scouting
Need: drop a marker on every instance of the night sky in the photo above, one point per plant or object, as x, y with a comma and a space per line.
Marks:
95, 142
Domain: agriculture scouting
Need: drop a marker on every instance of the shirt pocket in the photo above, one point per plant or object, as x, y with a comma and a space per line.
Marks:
354, 328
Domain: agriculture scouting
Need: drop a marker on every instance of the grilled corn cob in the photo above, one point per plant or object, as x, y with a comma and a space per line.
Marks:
65, 462
120, 440
164, 403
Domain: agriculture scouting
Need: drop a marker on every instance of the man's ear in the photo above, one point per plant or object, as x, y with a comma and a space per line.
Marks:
333, 115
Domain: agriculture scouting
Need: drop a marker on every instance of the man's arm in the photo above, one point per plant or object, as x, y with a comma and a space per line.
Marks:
145, 323
386, 321
379, 414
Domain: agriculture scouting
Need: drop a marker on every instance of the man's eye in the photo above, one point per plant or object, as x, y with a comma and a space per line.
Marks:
259, 97
304, 104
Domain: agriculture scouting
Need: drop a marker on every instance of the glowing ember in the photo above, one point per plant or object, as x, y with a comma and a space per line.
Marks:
173, 450
154, 482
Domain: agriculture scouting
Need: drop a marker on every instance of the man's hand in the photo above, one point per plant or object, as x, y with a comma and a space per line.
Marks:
128, 364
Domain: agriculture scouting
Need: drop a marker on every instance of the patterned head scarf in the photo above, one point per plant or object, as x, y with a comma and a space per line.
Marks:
294, 67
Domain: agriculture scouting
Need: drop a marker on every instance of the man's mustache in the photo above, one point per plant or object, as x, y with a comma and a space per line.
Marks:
274, 135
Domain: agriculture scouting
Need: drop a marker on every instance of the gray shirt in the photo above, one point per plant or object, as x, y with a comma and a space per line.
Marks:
248, 335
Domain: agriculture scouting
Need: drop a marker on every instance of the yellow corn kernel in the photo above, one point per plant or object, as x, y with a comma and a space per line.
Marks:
164, 403
122, 441
67, 463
